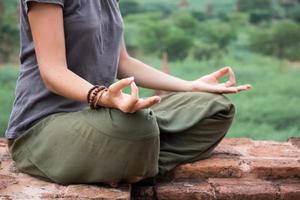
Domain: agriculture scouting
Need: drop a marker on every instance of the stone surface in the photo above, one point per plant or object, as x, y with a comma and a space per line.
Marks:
214, 167
289, 190
239, 168
295, 141
20, 186
241, 157
243, 189
185, 190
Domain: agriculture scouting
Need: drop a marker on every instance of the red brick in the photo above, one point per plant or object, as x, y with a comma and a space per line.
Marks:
6, 180
3, 142
236, 141
272, 149
213, 167
185, 190
245, 189
228, 151
295, 141
290, 189
233, 172
88, 192
273, 168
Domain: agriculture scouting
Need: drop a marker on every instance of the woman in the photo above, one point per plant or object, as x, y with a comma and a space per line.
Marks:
68, 47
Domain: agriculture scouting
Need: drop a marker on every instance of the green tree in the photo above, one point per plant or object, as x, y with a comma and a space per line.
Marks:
248, 5
215, 31
185, 21
170, 39
9, 37
2, 8
129, 7
282, 39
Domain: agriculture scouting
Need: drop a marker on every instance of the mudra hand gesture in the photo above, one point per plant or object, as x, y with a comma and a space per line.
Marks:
127, 103
210, 83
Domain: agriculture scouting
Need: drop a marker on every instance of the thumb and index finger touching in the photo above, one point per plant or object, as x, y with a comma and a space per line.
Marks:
135, 103
232, 80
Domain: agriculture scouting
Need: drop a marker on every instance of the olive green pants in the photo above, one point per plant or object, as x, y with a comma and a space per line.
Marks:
102, 145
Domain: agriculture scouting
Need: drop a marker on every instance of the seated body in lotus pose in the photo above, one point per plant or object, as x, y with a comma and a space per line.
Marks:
71, 122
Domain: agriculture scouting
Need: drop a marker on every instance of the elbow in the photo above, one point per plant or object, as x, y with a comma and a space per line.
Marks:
124, 59
49, 80
47, 83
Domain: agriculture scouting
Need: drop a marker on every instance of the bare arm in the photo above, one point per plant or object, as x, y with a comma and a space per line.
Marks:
46, 23
149, 77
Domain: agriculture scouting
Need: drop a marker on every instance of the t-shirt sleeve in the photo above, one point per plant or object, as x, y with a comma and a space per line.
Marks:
58, 2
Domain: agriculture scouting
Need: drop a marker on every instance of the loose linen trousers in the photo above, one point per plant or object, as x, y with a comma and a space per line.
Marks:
104, 145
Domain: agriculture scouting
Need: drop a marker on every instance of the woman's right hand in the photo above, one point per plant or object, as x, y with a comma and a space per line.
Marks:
115, 98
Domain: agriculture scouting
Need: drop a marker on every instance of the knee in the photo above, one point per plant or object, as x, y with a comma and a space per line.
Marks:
224, 113
134, 126
227, 108
218, 103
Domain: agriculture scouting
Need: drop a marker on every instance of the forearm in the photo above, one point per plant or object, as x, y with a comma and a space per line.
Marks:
66, 83
149, 77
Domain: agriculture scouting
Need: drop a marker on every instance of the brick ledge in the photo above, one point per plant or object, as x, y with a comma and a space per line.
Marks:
240, 168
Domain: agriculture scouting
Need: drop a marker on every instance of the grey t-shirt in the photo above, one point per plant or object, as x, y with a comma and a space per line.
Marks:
93, 33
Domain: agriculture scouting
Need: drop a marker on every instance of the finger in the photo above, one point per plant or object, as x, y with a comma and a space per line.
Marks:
134, 97
146, 103
229, 90
118, 86
222, 89
221, 72
134, 90
231, 81
244, 87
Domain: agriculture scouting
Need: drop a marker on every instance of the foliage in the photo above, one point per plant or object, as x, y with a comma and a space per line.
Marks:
294, 13
203, 50
134, 7
8, 77
281, 39
216, 31
151, 25
185, 21
248, 5
129, 7
9, 37
148, 36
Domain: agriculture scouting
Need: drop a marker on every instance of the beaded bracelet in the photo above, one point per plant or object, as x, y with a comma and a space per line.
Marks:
90, 91
92, 94
98, 98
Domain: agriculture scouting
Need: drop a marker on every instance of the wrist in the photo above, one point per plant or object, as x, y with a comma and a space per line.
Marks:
190, 86
103, 100
98, 100
94, 95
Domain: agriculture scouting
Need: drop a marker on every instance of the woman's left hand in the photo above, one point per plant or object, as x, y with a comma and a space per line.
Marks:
210, 83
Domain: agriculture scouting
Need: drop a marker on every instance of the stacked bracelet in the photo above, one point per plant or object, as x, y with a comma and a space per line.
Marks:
98, 97
89, 93
93, 93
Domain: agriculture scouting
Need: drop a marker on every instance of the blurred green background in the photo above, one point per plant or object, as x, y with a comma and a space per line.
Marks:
259, 39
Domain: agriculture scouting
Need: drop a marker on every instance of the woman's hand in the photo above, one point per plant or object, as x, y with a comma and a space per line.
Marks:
210, 83
115, 98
